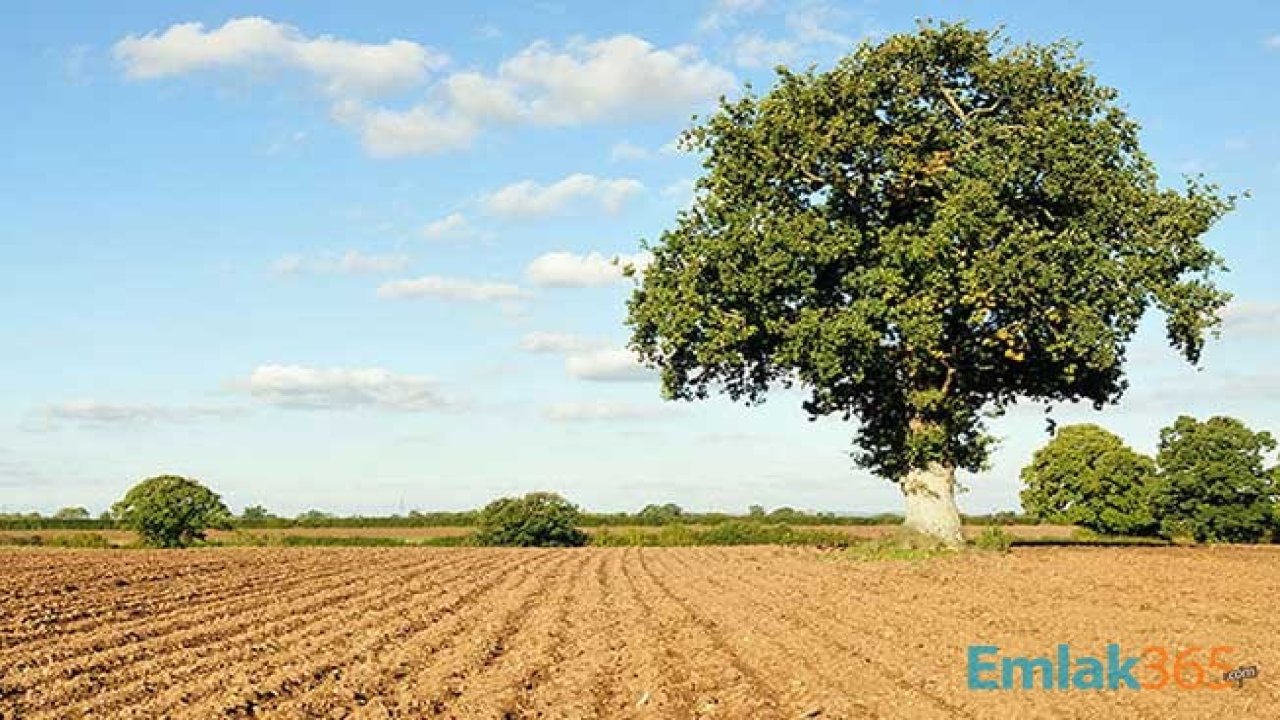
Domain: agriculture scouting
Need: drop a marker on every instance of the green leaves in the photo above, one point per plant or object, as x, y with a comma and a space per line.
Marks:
1087, 476
936, 227
169, 511
1208, 481
1215, 486
538, 519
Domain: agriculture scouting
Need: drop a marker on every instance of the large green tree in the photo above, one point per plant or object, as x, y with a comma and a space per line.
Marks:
1215, 485
539, 519
1087, 476
939, 225
169, 511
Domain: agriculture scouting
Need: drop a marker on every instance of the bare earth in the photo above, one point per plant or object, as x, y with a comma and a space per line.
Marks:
602, 632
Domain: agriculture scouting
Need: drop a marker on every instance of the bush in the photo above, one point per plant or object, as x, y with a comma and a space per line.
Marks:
993, 538
1214, 486
1087, 476
660, 514
171, 512
538, 519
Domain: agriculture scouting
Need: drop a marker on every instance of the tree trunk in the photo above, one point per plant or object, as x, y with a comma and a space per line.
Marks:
931, 503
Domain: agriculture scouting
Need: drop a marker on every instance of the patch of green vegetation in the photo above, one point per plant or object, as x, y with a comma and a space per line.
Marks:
69, 540
666, 536
340, 541
733, 532
901, 545
446, 541
994, 539
1091, 540
244, 539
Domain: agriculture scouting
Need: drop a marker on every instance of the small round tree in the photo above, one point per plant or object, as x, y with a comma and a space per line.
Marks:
539, 519
169, 511
1087, 476
72, 513
255, 514
1214, 485
938, 226
665, 514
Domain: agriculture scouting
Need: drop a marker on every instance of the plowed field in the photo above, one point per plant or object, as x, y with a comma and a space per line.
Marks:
602, 632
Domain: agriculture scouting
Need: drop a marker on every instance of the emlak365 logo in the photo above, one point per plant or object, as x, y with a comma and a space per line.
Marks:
1156, 667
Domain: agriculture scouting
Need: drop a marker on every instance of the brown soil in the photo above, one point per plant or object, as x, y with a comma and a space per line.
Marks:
603, 632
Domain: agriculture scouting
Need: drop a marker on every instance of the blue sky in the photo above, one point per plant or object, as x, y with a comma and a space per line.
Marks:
355, 256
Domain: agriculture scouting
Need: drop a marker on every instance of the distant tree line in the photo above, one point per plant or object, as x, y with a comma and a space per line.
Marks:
1209, 481
653, 515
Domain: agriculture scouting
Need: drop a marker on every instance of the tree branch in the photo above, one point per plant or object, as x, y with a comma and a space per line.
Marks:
815, 178
965, 117
951, 101
949, 379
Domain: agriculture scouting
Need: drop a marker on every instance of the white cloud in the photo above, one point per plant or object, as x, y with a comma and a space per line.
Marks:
627, 151
483, 99
810, 25
607, 365
1251, 318
618, 78
526, 199
418, 131
445, 288
89, 412
567, 270
450, 226
346, 68
299, 387
726, 12
556, 343
351, 262
813, 23
756, 51
602, 411
1273, 42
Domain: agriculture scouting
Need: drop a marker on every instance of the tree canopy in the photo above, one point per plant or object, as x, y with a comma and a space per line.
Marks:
539, 519
941, 224
1087, 476
72, 513
1215, 485
255, 513
170, 511
661, 514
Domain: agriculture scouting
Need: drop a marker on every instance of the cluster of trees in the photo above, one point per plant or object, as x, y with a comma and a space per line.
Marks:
1209, 481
